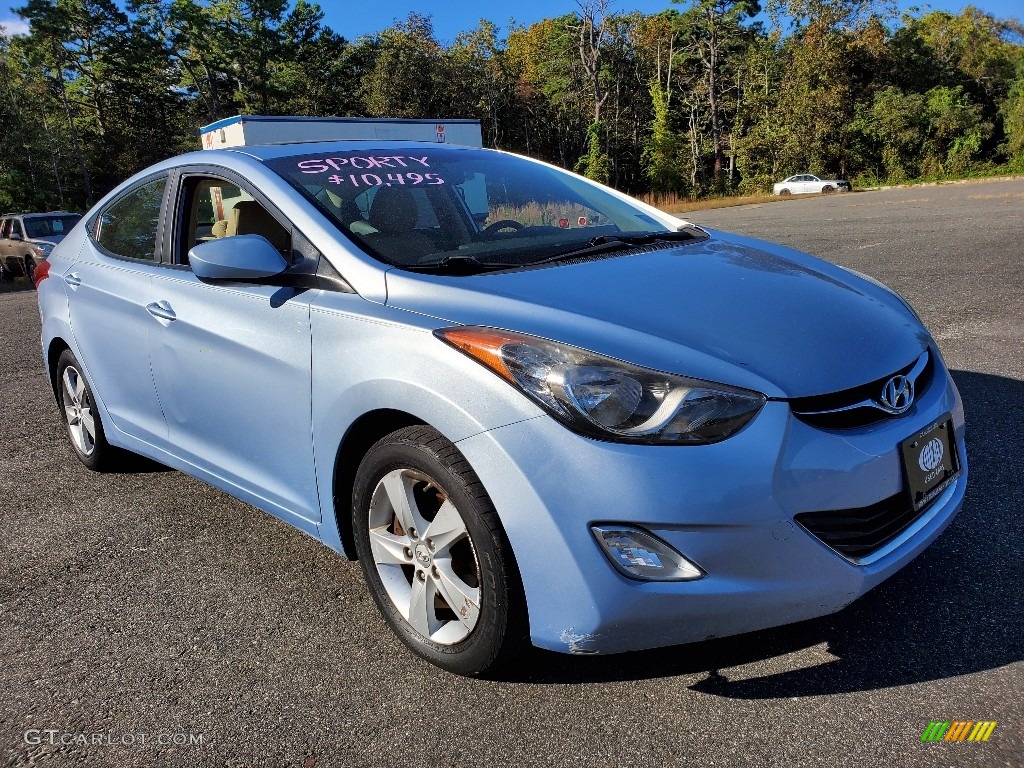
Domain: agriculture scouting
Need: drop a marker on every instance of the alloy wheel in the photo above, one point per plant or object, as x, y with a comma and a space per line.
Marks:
425, 556
78, 410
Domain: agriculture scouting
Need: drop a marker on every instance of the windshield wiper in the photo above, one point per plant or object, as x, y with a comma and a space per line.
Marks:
606, 243
460, 265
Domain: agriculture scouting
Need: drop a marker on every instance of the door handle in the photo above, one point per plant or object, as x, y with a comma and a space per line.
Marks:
73, 279
162, 310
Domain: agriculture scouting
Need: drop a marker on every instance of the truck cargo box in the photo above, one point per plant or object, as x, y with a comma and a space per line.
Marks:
246, 130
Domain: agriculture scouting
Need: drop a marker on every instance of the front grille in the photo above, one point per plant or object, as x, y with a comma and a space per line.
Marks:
857, 406
856, 533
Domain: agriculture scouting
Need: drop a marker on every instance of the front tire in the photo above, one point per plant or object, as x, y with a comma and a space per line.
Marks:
828, 189
784, 193
434, 553
81, 417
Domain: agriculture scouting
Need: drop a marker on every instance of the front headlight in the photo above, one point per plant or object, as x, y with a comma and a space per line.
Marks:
606, 398
42, 250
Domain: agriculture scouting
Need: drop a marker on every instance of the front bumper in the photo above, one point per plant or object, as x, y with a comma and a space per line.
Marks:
727, 507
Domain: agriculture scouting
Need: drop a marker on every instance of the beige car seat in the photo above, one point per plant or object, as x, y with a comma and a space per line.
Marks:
250, 218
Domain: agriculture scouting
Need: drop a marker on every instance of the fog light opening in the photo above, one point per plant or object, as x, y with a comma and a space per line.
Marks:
639, 554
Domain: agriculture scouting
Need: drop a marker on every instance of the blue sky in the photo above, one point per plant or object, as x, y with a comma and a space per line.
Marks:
354, 19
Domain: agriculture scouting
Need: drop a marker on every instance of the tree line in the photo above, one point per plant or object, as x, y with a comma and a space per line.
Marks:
705, 97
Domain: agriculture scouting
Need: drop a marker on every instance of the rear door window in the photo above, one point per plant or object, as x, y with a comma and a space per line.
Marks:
128, 226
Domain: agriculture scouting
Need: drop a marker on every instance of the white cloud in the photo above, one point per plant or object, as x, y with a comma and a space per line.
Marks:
11, 27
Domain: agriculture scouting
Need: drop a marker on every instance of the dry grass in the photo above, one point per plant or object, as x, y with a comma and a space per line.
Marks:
549, 215
536, 215
675, 204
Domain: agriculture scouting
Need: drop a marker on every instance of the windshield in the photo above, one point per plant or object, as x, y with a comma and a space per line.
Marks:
49, 226
423, 207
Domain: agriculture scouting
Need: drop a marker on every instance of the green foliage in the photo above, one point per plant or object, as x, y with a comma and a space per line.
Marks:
899, 123
1012, 114
407, 66
935, 134
955, 132
660, 156
704, 98
595, 164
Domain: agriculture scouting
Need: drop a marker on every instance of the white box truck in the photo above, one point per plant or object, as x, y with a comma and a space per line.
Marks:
246, 130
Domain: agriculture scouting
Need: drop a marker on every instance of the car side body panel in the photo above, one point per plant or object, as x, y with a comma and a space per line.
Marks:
369, 357
234, 384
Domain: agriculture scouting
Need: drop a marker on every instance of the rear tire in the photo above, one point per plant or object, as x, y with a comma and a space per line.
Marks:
82, 418
435, 555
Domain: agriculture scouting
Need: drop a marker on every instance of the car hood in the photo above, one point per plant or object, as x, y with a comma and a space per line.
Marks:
728, 309
52, 239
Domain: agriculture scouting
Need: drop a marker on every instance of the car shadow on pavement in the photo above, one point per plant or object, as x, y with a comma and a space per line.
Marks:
134, 464
10, 284
955, 610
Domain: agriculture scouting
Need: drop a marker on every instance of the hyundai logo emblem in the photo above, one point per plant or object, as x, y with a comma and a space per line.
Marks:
898, 394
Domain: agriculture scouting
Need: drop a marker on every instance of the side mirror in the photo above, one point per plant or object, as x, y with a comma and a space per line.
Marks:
242, 257
16, 236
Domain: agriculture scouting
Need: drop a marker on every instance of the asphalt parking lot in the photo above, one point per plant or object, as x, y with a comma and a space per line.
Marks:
147, 607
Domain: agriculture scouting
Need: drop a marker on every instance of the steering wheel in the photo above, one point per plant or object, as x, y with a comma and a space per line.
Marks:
501, 224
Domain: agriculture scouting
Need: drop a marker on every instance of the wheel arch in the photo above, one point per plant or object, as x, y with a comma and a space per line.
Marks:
358, 439
53, 352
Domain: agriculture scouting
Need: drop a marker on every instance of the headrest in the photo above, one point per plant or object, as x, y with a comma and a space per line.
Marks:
394, 210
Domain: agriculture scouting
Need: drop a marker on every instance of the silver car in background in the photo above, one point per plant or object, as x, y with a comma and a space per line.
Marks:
805, 184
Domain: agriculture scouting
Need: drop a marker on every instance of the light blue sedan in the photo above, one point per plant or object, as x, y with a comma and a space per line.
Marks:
535, 409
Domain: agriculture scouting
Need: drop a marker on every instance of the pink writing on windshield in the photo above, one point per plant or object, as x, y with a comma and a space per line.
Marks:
373, 180
362, 163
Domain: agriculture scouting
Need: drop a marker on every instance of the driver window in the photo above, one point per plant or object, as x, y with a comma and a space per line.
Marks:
215, 209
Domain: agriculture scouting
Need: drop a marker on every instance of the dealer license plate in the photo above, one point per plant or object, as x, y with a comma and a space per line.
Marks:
930, 462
